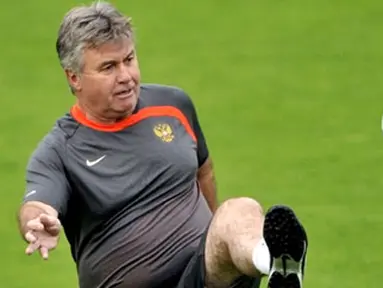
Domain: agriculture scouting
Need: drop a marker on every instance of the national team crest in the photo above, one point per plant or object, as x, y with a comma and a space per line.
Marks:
164, 132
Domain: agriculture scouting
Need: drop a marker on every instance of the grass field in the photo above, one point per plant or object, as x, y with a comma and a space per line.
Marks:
289, 96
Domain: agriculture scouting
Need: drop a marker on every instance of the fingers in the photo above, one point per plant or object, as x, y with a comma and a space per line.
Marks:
45, 222
49, 220
41, 231
33, 242
30, 237
44, 252
35, 225
32, 248
53, 230
52, 224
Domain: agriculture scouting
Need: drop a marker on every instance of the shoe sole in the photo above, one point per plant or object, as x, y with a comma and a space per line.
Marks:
287, 243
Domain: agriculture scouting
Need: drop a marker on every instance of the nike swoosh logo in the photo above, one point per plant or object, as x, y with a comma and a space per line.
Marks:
92, 163
30, 193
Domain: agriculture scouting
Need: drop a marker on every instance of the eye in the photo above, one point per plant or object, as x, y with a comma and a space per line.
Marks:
129, 59
107, 68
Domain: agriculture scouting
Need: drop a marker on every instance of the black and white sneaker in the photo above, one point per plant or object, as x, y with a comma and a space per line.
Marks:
287, 242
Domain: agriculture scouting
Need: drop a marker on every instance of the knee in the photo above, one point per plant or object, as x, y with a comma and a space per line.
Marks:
240, 205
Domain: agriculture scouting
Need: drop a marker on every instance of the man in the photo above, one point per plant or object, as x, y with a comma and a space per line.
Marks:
128, 176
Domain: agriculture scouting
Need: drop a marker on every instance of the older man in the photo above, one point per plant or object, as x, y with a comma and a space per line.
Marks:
128, 176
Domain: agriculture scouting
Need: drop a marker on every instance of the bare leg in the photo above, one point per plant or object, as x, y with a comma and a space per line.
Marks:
235, 231
236, 246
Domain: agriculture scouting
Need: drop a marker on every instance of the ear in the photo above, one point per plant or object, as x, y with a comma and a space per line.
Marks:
74, 80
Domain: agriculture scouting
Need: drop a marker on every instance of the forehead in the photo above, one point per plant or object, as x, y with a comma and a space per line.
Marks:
110, 50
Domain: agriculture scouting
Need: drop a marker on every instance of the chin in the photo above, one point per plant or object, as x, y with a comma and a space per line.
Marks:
125, 108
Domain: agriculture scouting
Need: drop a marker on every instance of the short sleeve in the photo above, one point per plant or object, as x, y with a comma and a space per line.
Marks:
189, 109
46, 180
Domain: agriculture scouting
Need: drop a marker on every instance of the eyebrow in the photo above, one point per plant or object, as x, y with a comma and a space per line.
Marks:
131, 53
112, 62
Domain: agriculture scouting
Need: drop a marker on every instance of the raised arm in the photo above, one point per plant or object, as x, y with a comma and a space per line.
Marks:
45, 200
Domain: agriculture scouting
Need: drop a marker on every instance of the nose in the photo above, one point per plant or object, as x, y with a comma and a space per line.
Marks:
124, 74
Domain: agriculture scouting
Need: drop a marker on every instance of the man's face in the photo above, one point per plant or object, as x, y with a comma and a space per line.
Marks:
110, 79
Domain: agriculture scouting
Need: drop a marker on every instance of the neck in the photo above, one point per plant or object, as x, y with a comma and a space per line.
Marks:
98, 117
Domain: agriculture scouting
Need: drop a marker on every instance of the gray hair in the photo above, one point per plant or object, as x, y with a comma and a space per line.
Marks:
89, 27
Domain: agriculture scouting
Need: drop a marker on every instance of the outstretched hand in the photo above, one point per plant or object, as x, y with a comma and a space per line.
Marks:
42, 234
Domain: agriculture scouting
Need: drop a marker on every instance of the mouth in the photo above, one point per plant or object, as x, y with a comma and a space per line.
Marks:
124, 94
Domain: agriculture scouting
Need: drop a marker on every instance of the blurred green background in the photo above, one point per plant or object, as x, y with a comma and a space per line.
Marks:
288, 94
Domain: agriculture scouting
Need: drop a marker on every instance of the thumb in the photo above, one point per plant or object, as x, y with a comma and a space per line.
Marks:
48, 220
51, 223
